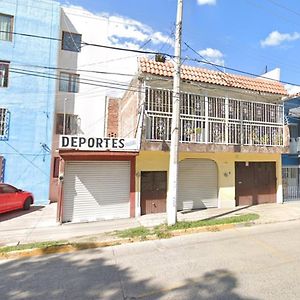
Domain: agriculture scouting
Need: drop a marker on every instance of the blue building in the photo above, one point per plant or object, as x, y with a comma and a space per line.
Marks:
27, 92
291, 162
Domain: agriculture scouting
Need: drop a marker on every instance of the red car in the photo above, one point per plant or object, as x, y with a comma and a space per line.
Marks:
12, 198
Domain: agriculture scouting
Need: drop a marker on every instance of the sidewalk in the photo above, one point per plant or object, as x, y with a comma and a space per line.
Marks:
39, 224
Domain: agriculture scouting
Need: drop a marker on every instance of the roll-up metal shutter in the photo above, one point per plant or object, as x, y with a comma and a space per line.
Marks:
96, 191
198, 184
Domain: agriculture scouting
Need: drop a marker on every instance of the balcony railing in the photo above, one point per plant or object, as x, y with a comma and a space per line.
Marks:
214, 120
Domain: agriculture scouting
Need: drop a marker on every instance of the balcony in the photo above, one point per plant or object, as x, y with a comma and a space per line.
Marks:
213, 120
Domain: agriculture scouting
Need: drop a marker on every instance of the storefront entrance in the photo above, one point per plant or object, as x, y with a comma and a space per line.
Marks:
153, 192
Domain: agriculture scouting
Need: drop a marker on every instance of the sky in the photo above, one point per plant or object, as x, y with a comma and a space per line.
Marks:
248, 35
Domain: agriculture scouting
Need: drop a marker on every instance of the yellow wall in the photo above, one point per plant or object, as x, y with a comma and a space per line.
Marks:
159, 161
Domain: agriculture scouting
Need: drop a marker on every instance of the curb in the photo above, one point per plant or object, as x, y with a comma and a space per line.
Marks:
73, 246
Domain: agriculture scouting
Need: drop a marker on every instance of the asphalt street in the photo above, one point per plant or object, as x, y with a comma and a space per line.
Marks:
258, 262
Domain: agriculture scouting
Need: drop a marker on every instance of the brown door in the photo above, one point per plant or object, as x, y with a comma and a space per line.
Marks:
255, 183
153, 192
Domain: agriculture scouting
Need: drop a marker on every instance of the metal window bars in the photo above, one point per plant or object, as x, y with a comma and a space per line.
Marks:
217, 120
4, 124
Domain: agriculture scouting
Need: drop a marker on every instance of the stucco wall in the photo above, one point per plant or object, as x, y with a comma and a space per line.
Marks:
159, 161
30, 99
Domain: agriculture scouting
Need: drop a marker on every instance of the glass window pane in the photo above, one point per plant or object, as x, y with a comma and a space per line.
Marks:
3, 75
71, 41
5, 25
59, 123
74, 84
64, 82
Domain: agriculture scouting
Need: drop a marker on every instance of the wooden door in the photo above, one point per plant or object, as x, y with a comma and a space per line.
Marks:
265, 182
153, 192
255, 183
244, 183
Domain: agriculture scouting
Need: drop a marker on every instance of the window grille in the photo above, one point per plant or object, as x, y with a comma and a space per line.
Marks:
4, 123
244, 123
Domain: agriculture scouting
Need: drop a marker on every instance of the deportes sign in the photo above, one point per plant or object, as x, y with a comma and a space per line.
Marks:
97, 143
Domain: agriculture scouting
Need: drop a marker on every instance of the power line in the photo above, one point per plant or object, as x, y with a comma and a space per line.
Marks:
49, 76
242, 72
85, 44
284, 7
130, 89
207, 61
166, 54
22, 155
267, 9
118, 87
76, 70
81, 79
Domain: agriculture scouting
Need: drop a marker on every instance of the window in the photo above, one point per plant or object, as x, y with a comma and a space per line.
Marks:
7, 189
71, 41
3, 123
70, 122
4, 73
69, 82
56, 167
6, 27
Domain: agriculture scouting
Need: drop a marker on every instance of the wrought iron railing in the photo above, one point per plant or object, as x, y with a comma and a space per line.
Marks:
214, 119
4, 124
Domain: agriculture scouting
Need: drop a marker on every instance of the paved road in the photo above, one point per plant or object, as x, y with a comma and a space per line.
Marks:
260, 262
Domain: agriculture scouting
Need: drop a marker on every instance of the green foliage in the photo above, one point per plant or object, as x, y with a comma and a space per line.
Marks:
213, 222
134, 232
40, 245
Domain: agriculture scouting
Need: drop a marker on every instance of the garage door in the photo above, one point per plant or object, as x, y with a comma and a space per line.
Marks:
198, 184
96, 191
255, 183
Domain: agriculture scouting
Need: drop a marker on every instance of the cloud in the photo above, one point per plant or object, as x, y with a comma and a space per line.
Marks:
126, 28
121, 28
214, 56
117, 31
207, 2
276, 38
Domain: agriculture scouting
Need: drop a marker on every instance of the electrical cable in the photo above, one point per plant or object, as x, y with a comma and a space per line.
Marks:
165, 54
17, 151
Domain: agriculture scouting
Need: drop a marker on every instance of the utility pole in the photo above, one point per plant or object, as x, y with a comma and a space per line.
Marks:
173, 165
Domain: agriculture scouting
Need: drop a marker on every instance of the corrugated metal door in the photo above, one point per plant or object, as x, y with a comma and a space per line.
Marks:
96, 191
198, 184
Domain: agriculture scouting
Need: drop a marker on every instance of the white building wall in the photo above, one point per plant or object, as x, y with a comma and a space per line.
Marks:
90, 103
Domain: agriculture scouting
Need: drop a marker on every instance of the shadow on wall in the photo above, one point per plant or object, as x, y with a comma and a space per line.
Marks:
89, 276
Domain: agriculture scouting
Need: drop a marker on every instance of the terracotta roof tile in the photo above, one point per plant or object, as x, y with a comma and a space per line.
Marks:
208, 76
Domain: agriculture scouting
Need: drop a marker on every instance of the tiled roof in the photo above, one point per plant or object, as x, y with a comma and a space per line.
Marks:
212, 77
292, 96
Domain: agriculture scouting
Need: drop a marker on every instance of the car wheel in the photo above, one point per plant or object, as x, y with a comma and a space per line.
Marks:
27, 203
